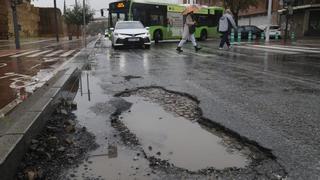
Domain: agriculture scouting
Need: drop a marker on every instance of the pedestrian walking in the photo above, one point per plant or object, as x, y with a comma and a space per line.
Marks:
189, 28
226, 23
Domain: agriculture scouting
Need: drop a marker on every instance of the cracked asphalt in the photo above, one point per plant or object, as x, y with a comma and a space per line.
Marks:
267, 98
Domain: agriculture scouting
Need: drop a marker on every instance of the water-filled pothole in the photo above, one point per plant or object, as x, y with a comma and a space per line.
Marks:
166, 124
178, 140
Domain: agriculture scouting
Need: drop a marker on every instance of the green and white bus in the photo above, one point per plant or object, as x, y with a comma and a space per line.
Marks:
164, 20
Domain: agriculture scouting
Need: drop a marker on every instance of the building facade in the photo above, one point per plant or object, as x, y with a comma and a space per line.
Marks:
305, 20
47, 24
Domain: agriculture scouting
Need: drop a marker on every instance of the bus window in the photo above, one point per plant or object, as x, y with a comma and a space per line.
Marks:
156, 20
149, 14
202, 20
214, 19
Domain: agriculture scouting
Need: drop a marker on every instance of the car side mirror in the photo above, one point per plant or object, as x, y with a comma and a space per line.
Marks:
111, 29
147, 28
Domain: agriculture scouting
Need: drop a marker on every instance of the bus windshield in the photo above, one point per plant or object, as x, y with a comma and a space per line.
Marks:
118, 11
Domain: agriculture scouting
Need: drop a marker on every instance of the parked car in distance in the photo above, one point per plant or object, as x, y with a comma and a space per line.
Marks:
256, 32
130, 33
274, 29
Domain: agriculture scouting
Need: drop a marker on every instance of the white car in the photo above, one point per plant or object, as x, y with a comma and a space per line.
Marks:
130, 33
274, 29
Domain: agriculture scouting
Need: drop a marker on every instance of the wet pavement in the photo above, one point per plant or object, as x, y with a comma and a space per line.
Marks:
22, 72
247, 113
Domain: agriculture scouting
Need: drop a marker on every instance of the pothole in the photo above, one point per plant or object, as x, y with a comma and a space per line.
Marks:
171, 132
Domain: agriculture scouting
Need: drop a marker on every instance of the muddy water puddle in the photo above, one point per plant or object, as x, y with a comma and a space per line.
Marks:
182, 142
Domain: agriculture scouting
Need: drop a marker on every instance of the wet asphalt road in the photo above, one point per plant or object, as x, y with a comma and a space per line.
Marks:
267, 96
22, 71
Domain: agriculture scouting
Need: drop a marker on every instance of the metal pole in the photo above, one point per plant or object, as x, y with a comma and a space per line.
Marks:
269, 21
56, 20
84, 23
15, 24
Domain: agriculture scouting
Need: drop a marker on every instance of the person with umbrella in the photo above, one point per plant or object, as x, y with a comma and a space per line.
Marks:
189, 28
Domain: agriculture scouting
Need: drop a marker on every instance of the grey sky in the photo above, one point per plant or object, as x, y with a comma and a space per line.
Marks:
95, 4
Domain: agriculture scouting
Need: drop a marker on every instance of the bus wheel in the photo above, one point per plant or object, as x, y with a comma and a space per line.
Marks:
157, 36
204, 35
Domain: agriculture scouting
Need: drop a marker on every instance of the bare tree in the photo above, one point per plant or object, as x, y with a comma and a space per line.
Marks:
239, 5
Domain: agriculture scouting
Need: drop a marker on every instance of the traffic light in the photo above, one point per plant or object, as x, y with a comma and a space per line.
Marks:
102, 13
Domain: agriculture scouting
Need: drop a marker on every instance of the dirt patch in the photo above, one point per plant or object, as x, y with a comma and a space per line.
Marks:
61, 145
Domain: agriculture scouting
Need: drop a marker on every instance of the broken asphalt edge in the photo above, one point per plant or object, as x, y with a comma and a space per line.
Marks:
29, 117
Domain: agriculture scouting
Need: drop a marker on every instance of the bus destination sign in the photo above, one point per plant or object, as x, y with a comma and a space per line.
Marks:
120, 5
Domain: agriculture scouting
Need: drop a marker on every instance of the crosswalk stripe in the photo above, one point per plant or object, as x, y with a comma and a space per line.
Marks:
54, 53
68, 53
287, 49
265, 50
40, 53
298, 47
23, 54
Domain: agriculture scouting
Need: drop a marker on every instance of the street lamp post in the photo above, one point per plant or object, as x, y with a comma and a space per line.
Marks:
269, 21
15, 23
84, 23
56, 20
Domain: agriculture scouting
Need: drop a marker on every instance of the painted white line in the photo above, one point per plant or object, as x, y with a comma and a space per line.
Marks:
68, 53
3, 65
34, 66
26, 53
265, 50
54, 53
298, 47
286, 49
40, 53
51, 60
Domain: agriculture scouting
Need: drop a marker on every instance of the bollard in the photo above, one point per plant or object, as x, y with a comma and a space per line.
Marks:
239, 37
232, 36
250, 36
293, 36
262, 36
276, 36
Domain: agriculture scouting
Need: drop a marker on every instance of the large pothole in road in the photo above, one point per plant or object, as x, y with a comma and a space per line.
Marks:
170, 129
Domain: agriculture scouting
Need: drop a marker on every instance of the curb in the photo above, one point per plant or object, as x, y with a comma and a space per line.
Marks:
19, 127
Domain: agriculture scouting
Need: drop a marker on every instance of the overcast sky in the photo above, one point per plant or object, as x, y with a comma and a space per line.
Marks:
95, 4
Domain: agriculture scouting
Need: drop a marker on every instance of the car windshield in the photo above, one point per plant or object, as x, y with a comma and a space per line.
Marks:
129, 25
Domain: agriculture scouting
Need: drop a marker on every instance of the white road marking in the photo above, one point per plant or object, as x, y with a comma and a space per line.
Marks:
35, 66
265, 50
286, 49
23, 54
51, 60
68, 53
297, 47
54, 53
40, 53
3, 65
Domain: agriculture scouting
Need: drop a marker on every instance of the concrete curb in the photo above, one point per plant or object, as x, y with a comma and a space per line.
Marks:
19, 127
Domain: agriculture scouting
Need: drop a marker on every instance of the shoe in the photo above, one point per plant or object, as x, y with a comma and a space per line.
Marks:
179, 50
220, 48
197, 48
